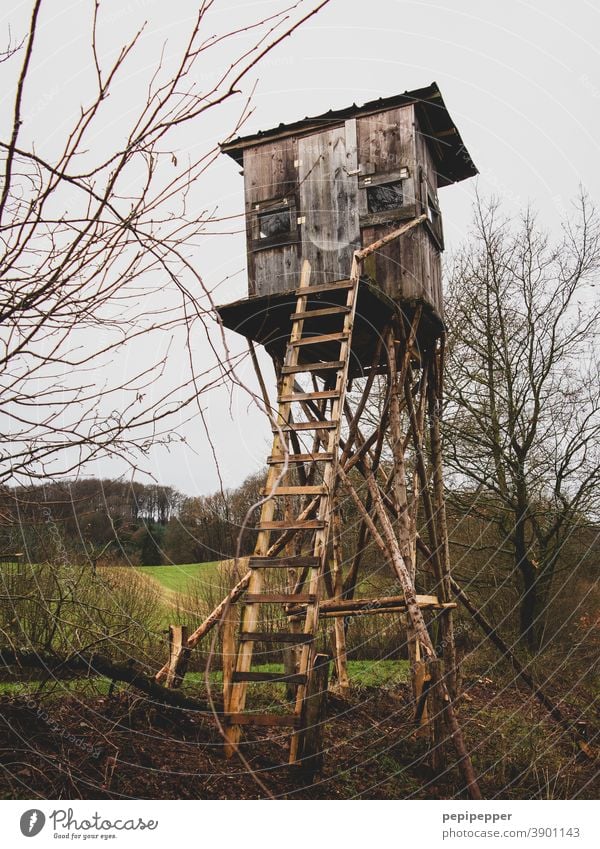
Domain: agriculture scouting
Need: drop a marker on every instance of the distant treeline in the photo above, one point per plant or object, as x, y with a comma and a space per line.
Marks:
112, 521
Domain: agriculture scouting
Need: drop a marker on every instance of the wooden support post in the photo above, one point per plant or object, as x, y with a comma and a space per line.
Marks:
228, 631
314, 715
422, 680
438, 704
341, 657
403, 521
178, 656
442, 555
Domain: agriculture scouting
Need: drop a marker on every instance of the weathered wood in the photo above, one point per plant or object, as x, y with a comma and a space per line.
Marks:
345, 615
298, 427
271, 174
332, 365
396, 265
211, 620
311, 396
374, 610
438, 703
275, 637
374, 604
279, 459
264, 720
271, 677
343, 169
321, 536
422, 682
341, 657
327, 181
314, 714
279, 598
297, 490
250, 612
390, 237
404, 526
228, 629
323, 338
178, 656
288, 524
287, 562
354, 420
336, 286
434, 398
320, 312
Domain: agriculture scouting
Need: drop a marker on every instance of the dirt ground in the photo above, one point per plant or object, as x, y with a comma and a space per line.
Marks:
125, 747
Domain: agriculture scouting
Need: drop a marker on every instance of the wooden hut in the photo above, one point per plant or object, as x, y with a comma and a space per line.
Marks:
320, 188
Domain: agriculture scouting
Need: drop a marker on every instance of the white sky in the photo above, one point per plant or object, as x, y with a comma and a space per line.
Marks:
521, 79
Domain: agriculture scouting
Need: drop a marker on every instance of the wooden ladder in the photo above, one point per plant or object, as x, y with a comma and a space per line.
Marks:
335, 375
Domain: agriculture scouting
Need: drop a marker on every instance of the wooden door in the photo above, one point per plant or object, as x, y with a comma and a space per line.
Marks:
328, 178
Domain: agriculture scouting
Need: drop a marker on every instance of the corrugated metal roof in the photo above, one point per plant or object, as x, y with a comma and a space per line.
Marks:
454, 162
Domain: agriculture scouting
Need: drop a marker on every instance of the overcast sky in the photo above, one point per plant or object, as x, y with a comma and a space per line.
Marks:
520, 78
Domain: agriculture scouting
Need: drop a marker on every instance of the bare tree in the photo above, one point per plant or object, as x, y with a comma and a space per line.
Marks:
97, 238
523, 423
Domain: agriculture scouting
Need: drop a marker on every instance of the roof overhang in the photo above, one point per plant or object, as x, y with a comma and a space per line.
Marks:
453, 160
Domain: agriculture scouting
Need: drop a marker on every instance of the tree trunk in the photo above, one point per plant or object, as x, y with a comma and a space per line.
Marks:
544, 576
526, 569
528, 605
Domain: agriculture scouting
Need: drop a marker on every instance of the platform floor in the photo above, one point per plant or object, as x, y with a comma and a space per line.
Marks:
267, 320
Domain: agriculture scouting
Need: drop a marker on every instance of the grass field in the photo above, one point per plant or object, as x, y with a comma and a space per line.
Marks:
362, 673
176, 578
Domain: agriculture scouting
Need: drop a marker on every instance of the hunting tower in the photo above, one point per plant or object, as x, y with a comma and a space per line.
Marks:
319, 189
344, 236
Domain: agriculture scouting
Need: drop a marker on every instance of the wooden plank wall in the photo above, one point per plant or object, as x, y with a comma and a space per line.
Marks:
270, 173
430, 254
319, 172
386, 144
409, 268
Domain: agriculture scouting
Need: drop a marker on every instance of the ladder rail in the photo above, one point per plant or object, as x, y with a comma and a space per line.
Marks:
276, 478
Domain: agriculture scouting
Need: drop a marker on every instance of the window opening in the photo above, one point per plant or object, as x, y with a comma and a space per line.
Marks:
382, 198
274, 223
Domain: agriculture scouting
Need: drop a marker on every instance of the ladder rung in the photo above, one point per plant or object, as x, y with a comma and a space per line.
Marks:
263, 719
291, 525
275, 677
325, 287
300, 316
296, 490
316, 340
315, 424
278, 598
310, 396
276, 637
326, 366
275, 459
298, 562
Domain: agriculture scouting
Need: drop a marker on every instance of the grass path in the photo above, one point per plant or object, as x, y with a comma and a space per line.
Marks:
177, 578
176, 582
